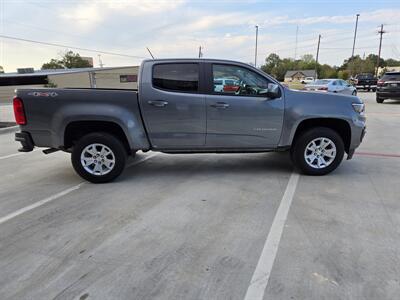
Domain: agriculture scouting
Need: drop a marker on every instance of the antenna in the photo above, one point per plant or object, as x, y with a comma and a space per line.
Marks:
200, 52
151, 54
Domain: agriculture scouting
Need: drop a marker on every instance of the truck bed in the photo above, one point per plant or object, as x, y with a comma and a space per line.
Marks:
50, 111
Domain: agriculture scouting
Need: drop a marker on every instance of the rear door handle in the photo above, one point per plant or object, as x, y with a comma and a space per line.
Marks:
157, 103
222, 105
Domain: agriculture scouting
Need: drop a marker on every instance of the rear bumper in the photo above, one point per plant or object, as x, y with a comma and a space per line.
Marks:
391, 94
367, 85
26, 141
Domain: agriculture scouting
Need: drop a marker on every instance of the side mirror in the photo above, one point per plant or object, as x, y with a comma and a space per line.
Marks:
273, 91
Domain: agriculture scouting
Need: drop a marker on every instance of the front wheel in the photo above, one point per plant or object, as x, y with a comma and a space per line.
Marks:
318, 151
379, 99
99, 157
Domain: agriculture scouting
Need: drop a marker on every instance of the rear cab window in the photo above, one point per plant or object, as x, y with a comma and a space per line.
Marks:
177, 77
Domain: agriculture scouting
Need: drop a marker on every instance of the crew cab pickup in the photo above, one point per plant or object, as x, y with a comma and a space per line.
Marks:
366, 81
178, 108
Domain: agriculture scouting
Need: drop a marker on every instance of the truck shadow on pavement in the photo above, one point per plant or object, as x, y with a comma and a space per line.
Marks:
181, 165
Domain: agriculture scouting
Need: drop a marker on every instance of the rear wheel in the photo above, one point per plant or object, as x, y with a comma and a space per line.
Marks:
318, 151
99, 157
379, 99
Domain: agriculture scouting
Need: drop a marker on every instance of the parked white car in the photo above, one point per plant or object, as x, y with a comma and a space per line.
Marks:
220, 83
333, 86
308, 80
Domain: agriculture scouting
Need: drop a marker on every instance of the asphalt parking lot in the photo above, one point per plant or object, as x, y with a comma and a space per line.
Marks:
231, 226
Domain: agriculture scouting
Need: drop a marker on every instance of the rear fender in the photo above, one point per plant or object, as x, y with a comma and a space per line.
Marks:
130, 122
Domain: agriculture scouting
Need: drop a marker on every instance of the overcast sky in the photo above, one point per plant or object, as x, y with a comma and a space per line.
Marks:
225, 29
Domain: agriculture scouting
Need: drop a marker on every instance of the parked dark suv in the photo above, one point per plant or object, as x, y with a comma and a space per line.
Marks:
388, 87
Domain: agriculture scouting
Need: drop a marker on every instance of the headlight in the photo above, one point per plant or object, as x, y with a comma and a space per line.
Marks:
359, 107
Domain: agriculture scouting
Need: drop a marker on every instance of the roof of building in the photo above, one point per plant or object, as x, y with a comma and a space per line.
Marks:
60, 71
306, 73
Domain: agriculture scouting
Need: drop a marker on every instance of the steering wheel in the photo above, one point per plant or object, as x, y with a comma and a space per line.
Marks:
242, 86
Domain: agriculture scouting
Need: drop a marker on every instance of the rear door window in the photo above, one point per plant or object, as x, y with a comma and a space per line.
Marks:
181, 77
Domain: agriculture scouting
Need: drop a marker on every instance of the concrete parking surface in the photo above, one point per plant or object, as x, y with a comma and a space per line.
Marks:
201, 226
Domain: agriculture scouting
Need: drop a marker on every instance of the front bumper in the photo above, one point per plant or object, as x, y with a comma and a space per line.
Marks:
26, 141
352, 150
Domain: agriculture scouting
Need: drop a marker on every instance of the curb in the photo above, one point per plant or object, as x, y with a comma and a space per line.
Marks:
9, 129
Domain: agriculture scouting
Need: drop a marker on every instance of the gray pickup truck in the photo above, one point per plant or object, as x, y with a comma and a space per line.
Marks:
190, 106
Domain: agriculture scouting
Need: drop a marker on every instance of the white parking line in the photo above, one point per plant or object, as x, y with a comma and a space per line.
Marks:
39, 203
16, 154
262, 272
58, 195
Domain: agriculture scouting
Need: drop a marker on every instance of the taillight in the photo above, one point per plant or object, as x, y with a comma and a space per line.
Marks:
19, 112
380, 82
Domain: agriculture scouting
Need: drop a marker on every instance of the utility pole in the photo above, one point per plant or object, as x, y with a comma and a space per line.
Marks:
200, 53
381, 32
255, 54
295, 49
354, 44
100, 61
316, 58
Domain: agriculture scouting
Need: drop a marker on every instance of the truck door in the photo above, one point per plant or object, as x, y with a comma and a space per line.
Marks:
240, 115
173, 109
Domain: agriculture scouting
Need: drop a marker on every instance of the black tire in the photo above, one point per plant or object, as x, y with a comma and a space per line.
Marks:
379, 99
118, 154
301, 142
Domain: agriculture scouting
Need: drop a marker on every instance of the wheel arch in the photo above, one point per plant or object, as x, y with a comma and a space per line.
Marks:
340, 126
77, 129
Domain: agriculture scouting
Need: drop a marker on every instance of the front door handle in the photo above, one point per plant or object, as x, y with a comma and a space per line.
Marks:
157, 103
222, 105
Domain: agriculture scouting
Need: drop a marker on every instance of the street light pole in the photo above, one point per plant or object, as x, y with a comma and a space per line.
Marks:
316, 59
255, 54
354, 44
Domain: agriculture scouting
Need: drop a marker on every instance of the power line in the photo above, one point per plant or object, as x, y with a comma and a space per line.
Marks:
71, 47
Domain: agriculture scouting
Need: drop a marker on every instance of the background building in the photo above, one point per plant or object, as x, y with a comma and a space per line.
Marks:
114, 78
298, 75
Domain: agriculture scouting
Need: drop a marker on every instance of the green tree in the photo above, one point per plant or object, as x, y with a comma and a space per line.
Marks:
53, 64
68, 60
326, 71
390, 62
272, 61
343, 74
